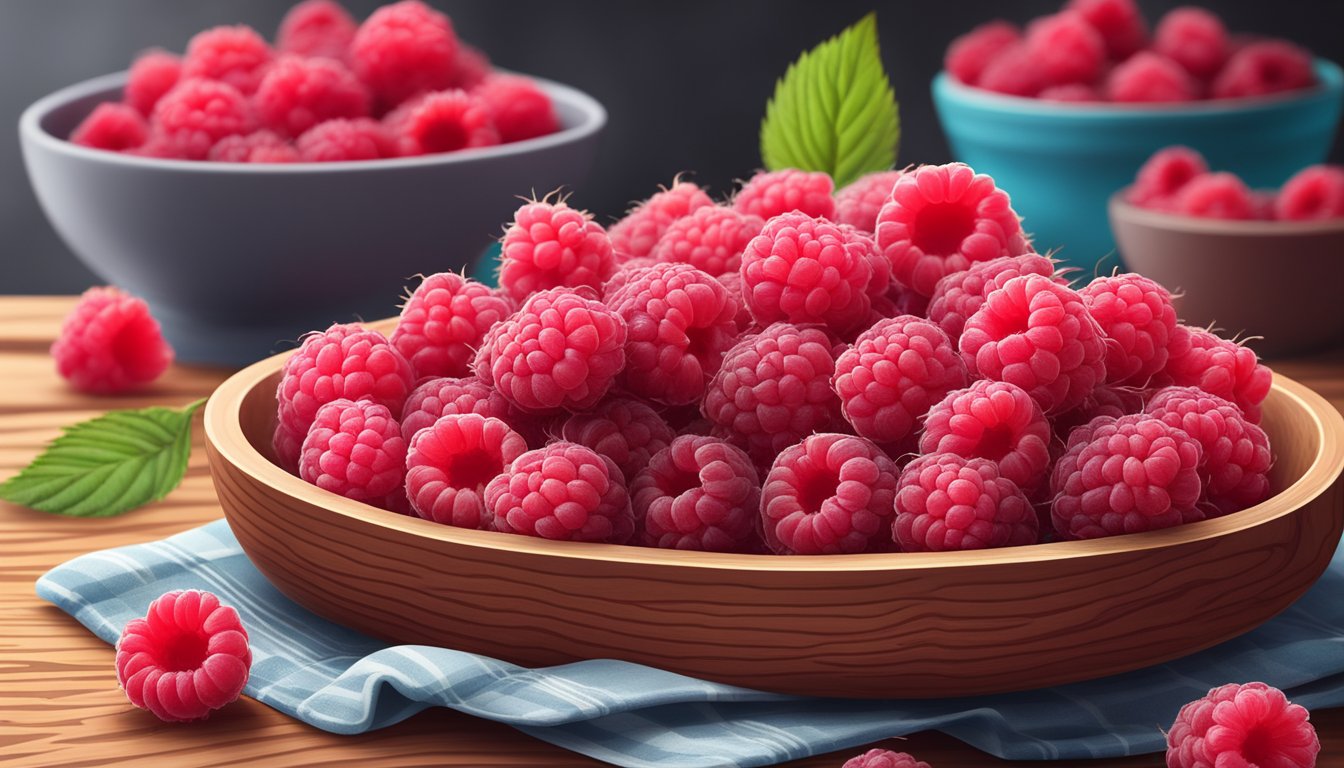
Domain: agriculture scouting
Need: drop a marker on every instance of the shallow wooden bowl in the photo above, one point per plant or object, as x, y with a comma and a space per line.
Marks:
892, 625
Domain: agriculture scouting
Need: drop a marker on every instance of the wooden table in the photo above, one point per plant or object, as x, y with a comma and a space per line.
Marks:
59, 702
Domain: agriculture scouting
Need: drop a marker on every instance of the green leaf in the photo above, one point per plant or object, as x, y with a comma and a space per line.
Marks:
108, 465
834, 110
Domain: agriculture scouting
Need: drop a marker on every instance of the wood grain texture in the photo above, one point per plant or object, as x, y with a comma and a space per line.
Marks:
59, 704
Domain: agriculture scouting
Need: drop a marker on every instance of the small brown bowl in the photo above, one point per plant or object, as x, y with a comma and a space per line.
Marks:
886, 625
1278, 282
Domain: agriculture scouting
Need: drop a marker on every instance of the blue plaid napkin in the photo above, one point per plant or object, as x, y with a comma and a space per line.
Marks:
629, 715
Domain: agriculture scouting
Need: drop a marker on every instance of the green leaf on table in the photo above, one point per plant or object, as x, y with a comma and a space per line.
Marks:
834, 110
109, 464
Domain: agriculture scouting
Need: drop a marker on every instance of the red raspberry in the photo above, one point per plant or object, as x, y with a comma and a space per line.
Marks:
732, 281
110, 343
404, 49
1313, 193
806, 270
941, 219
1119, 22
443, 322
711, 239
1067, 48
1262, 68
1148, 77
830, 494
892, 374
992, 420
884, 758
1125, 475
946, 502
563, 491
298, 93
234, 55
624, 430
198, 113
1013, 71
186, 658
880, 285
1216, 196
1105, 400
1262, 204
1037, 334
698, 493
444, 121
446, 396
1220, 367
771, 193
521, 109
562, 349
355, 449
470, 67
1137, 318
255, 147
450, 463
1235, 472
316, 28
158, 146
111, 126
773, 390
1249, 724
1071, 92
550, 245
1195, 39
858, 203
625, 269
153, 74
1164, 175
342, 140
969, 54
958, 295
642, 228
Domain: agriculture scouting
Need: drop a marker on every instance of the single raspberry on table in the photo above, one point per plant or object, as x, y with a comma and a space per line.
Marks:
197, 113
771, 193
235, 55
152, 74
1067, 48
1119, 22
1216, 196
521, 109
470, 67
316, 28
1221, 367
996, 421
354, 448
697, 493
858, 203
1263, 68
1235, 470
256, 147
443, 322
404, 49
623, 429
563, 491
551, 245
1148, 77
805, 270
110, 343
884, 758
943, 218
343, 140
186, 658
1014, 72
1312, 194
642, 228
957, 296
451, 461
1137, 318
1250, 724
1164, 174
1194, 38
443, 121
298, 93
111, 126
969, 54
711, 239
946, 502
830, 494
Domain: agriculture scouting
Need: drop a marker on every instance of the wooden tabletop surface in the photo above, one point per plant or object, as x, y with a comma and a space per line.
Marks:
59, 702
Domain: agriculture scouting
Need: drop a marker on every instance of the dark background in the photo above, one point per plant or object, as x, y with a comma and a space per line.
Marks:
685, 83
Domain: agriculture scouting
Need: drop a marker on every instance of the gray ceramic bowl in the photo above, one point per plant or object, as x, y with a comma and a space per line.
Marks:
238, 260
1278, 280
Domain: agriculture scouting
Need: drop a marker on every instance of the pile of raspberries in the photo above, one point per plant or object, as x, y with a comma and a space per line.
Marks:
1178, 180
330, 89
796, 370
1101, 51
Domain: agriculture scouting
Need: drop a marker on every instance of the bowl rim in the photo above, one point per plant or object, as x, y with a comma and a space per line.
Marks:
594, 119
224, 434
1122, 209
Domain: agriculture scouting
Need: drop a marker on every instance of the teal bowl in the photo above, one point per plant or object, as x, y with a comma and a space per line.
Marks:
1061, 162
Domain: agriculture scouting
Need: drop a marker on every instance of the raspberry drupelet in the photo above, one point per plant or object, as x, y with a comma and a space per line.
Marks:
1138, 319
110, 343
807, 271
1312, 194
957, 296
197, 113
446, 396
946, 502
996, 421
316, 28
563, 491
1237, 458
1067, 48
969, 54
298, 93
551, 245
450, 463
1119, 22
771, 193
1221, 367
343, 140
1262, 68
884, 758
354, 448
443, 121
443, 322
1194, 38
830, 494
234, 55
1164, 174
1250, 724
1147, 77
110, 126
642, 228
698, 493
711, 239
1216, 196
520, 108
152, 74
255, 147
404, 49
623, 429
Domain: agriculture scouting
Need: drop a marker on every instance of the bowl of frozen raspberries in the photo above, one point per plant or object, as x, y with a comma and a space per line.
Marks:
1065, 108
250, 189
780, 441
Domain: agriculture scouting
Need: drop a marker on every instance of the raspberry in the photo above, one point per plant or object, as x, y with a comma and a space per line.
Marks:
941, 219
1125, 475
186, 658
710, 239
1164, 175
470, 67
625, 269
1262, 68
1216, 196
234, 55
450, 463
153, 74
1249, 724
969, 54
773, 390
1148, 77
1194, 38
563, 491
404, 49
1037, 334
521, 109
892, 374
1071, 92
342, 140
1137, 319
1013, 71
1313, 193
110, 126
996, 421
345, 361
446, 396
732, 281
858, 203
806, 270
158, 146
624, 430
946, 502
880, 284
256, 147
298, 93
562, 349
1105, 400
771, 193
110, 343
1119, 22
642, 228
444, 121
698, 493
355, 449
830, 494
1220, 367
1067, 48
550, 245
884, 758
443, 322
958, 295
316, 28
197, 113
1235, 472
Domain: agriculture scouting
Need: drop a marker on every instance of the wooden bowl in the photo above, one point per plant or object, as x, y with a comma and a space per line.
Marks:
888, 625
